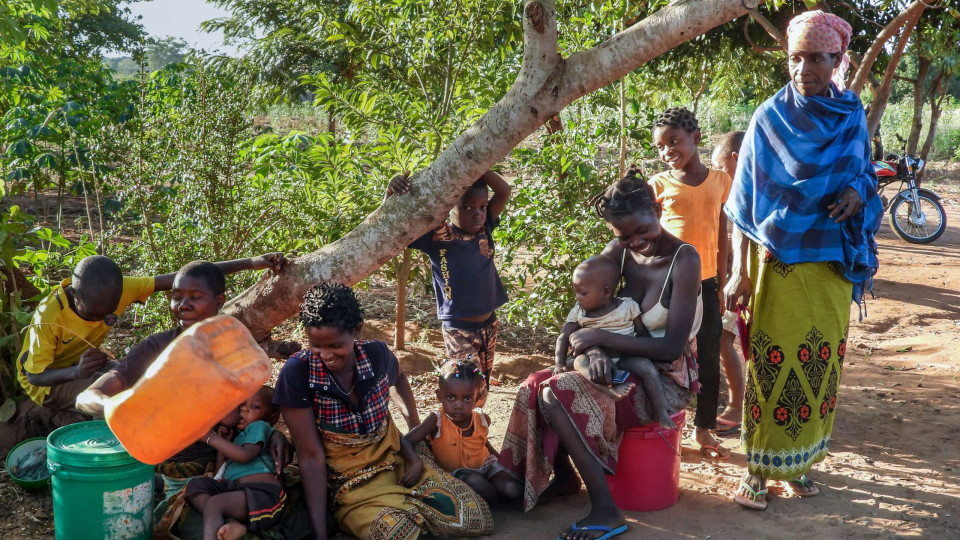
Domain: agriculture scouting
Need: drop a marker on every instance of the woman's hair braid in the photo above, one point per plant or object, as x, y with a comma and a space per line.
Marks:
331, 304
631, 194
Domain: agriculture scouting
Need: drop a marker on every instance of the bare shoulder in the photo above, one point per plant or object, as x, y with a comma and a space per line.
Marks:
613, 249
687, 257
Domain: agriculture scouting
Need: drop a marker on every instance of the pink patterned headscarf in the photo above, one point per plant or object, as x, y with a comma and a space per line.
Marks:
816, 31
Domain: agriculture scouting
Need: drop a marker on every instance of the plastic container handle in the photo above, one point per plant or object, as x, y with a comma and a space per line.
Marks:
53, 467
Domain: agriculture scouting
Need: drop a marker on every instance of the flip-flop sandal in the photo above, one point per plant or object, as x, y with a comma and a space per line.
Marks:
809, 489
610, 532
725, 428
750, 499
713, 452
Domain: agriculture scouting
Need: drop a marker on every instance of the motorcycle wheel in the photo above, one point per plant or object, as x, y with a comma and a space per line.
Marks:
932, 225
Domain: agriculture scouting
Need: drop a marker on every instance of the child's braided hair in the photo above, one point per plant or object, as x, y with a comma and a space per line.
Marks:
631, 194
678, 117
464, 370
331, 304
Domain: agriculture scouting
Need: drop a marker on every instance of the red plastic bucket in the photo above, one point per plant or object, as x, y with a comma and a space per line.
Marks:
648, 469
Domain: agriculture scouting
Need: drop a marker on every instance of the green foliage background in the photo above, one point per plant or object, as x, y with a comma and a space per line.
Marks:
175, 155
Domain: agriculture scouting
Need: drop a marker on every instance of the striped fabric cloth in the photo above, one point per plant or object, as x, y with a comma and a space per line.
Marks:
798, 155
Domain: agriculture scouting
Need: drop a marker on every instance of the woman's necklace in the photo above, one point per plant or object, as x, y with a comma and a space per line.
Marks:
346, 393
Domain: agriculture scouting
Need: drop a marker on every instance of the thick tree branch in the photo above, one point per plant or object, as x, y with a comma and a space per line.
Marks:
753, 44
545, 84
882, 95
771, 29
860, 78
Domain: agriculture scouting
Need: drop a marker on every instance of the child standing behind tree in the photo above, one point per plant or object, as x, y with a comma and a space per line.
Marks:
465, 278
250, 494
692, 196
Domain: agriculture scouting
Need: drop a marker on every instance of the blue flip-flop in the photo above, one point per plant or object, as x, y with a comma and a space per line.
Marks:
609, 531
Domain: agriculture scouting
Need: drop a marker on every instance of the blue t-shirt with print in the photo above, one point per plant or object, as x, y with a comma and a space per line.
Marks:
257, 432
465, 277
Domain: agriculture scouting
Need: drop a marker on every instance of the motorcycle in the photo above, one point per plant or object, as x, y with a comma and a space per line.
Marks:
916, 214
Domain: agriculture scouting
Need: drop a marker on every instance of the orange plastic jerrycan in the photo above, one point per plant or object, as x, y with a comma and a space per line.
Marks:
208, 371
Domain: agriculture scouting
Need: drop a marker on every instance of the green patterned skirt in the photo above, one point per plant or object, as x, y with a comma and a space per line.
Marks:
798, 337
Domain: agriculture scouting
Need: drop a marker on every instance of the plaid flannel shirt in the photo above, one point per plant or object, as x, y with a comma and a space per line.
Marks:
332, 407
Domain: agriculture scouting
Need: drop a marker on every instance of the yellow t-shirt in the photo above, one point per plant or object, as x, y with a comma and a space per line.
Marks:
692, 213
47, 346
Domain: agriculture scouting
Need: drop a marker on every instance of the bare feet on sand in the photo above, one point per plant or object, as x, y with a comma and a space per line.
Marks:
232, 530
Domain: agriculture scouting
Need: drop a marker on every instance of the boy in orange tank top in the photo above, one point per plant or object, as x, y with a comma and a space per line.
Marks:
458, 434
692, 197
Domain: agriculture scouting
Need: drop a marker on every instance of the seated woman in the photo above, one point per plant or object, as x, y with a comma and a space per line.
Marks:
334, 399
199, 291
585, 424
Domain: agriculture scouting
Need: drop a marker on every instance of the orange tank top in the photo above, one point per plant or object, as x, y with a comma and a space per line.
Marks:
454, 451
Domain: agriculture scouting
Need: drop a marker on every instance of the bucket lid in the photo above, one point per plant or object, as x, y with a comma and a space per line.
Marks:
87, 444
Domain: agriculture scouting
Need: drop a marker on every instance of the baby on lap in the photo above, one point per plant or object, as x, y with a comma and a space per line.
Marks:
595, 283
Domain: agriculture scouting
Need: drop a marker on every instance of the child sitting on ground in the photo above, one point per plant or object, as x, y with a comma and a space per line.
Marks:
61, 355
595, 283
458, 434
465, 278
250, 494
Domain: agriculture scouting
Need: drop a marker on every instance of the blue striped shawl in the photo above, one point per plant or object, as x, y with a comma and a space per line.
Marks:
798, 156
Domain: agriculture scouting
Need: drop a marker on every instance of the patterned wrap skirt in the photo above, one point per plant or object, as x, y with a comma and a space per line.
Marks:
530, 445
369, 502
798, 337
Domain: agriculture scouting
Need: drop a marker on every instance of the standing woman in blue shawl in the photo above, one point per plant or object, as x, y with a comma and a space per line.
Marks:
805, 207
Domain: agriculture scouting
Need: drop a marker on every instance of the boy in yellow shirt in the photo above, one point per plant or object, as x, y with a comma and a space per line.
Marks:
692, 197
60, 355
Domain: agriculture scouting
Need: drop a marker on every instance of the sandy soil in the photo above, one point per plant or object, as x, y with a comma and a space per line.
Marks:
894, 469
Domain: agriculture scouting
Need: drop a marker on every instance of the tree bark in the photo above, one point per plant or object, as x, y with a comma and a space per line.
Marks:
545, 84
919, 99
774, 32
882, 94
866, 65
400, 322
937, 93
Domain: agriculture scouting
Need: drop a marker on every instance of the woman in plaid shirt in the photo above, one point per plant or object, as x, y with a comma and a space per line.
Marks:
334, 398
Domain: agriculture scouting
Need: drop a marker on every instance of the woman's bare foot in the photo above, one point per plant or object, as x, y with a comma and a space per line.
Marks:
231, 530
709, 446
607, 520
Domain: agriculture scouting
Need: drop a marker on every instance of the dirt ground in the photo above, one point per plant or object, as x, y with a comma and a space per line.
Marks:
894, 466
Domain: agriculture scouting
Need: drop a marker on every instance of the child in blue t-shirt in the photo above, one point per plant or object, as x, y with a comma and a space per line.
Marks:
249, 495
465, 278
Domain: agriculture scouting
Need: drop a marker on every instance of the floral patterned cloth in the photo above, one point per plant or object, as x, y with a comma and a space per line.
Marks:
798, 339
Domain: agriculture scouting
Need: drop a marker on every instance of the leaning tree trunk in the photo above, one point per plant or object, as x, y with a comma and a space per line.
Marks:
919, 100
866, 65
546, 83
882, 95
937, 93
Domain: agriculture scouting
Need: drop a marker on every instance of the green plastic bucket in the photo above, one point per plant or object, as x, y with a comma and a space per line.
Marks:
99, 491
